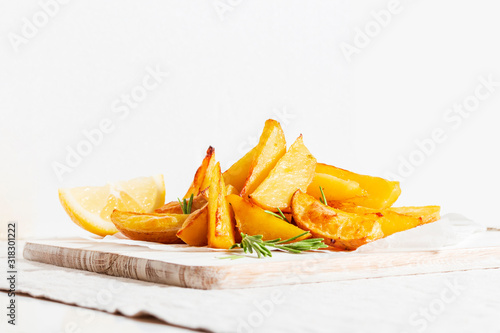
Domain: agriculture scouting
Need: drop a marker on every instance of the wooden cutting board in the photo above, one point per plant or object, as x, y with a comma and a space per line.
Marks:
202, 268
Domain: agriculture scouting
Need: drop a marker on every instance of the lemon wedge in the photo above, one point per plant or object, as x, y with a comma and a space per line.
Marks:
91, 207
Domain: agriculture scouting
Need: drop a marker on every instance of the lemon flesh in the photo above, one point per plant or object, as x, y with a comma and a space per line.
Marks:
91, 207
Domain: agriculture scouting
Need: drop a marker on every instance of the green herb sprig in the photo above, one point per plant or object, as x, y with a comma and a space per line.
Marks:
280, 216
323, 198
186, 206
249, 244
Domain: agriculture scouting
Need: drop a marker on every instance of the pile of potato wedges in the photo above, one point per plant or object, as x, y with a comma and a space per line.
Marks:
344, 208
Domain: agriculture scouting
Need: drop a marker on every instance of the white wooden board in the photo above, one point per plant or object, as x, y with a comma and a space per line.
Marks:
204, 269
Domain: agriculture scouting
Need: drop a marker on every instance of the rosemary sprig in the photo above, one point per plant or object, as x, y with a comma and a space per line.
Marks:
249, 244
186, 206
323, 198
280, 216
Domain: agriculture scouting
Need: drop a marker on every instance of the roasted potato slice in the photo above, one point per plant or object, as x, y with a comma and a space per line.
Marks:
426, 214
341, 230
220, 225
152, 227
271, 147
230, 189
334, 188
253, 220
237, 174
195, 229
295, 170
174, 207
380, 193
352, 226
200, 181
392, 222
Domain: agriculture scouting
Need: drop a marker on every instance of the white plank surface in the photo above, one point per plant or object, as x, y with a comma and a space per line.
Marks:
203, 269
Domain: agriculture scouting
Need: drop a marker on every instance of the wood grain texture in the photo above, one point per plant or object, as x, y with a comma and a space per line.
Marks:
203, 270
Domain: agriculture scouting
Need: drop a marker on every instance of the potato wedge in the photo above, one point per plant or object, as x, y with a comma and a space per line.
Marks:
220, 225
335, 189
380, 193
341, 230
271, 147
174, 207
253, 220
152, 227
237, 174
392, 222
230, 189
200, 181
195, 229
294, 171
426, 214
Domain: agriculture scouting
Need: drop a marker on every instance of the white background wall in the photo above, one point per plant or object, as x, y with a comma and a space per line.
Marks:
233, 64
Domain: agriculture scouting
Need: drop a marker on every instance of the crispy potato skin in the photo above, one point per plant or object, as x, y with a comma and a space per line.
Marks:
151, 227
253, 220
341, 230
200, 181
271, 147
294, 171
348, 226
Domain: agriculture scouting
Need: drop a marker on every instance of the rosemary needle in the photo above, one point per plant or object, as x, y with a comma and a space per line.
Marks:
186, 206
280, 216
323, 198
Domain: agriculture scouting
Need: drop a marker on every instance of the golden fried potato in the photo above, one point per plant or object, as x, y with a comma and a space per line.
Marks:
341, 230
352, 226
271, 147
237, 174
392, 222
220, 225
295, 170
230, 189
253, 220
334, 188
152, 227
195, 229
426, 214
200, 181
380, 193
